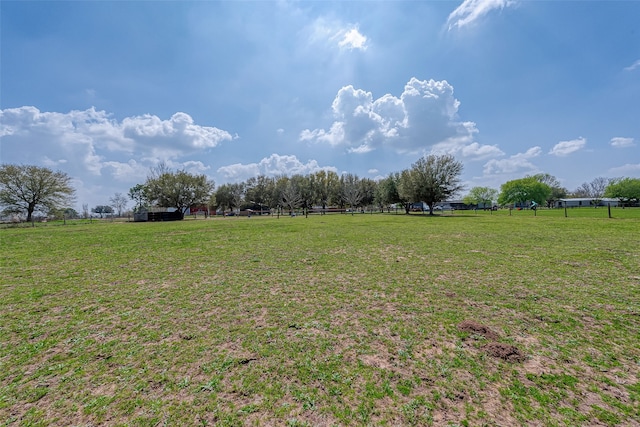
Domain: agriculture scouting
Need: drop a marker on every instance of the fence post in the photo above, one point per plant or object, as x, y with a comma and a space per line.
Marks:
609, 206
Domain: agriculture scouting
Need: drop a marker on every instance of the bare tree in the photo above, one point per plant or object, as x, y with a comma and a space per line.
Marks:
598, 187
119, 203
237, 193
351, 191
290, 196
594, 190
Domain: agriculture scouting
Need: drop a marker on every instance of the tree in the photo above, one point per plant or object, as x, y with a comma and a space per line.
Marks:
305, 191
557, 191
484, 196
368, 189
522, 191
326, 185
432, 179
384, 190
582, 191
102, 209
594, 189
626, 190
179, 190
70, 213
27, 189
351, 191
224, 197
137, 194
391, 190
258, 191
237, 193
118, 202
289, 194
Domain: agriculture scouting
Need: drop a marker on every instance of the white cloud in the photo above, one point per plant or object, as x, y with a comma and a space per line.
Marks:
50, 163
515, 163
178, 131
628, 169
473, 151
471, 10
336, 34
353, 39
425, 115
633, 66
125, 171
84, 139
620, 142
373, 171
272, 166
564, 148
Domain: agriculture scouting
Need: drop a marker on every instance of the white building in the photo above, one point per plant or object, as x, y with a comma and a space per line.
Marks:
585, 202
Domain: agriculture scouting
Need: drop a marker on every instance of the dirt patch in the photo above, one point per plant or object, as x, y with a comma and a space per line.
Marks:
507, 352
478, 329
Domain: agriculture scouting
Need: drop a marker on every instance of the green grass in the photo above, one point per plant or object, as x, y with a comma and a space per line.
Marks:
326, 320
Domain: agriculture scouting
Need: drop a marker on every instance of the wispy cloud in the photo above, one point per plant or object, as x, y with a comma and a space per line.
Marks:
335, 33
564, 148
471, 10
628, 169
633, 66
620, 142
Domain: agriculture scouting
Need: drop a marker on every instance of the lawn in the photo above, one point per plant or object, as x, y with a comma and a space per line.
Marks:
463, 319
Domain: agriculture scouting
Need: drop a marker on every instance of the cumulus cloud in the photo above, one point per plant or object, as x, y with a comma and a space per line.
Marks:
564, 148
178, 131
472, 10
272, 166
515, 163
620, 142
85, 138
425, 115
633, 66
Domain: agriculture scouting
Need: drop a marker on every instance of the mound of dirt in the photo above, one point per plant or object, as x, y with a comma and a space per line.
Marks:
506, 352
478, 329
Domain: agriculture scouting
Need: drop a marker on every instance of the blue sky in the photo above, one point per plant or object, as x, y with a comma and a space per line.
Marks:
105, 90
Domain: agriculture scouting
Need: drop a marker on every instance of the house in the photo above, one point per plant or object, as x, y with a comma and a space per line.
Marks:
585, 202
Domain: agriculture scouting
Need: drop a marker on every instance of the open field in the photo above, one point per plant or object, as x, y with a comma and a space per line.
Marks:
327, 320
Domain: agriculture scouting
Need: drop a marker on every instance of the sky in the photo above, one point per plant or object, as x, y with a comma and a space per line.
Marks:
106, 90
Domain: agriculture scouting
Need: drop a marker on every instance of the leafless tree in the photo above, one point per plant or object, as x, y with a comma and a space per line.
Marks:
593, 190
351, 191
118, 202
290, 196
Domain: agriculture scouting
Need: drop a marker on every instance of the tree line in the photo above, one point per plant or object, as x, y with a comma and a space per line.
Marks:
27, 190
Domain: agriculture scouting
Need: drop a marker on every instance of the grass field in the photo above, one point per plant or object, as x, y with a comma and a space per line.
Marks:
460, 320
